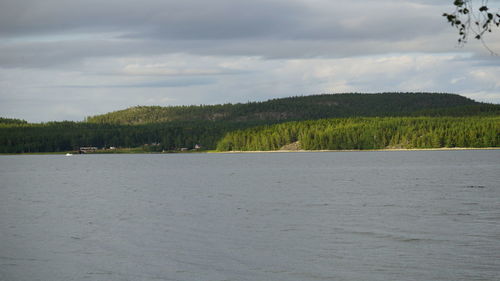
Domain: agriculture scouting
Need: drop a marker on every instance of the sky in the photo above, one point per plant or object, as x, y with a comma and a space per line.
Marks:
68, 59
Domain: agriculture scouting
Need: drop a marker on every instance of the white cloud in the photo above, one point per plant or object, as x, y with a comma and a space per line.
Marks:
101, 85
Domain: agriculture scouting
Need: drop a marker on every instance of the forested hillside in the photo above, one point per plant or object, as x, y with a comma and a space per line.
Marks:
240, 126
304, 108
369, 133
11, 121
66, 136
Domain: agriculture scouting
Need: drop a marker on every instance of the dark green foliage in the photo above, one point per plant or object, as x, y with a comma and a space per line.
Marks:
288, 109
11, 121
369, 133
65, 136
171, 128
466, 110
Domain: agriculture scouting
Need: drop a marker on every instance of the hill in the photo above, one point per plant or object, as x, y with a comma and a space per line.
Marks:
155, 128
305, 108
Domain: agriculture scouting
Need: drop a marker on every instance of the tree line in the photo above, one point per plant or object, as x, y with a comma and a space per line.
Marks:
12, 121
369, 133
300, 108
338, 133
68, 136
173, 128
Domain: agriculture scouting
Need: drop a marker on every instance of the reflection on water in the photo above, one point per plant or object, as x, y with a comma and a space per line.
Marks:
428, 215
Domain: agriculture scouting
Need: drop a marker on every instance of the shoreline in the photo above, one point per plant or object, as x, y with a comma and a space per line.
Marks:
264, 151
363, 150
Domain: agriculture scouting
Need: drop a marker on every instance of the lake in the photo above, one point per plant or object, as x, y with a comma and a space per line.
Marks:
387, 215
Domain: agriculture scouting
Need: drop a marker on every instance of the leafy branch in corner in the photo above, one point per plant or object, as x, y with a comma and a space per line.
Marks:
470, 21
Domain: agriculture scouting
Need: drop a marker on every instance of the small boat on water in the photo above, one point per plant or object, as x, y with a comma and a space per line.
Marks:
69, 154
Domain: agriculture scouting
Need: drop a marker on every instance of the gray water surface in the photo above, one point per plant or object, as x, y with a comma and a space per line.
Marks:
420, 215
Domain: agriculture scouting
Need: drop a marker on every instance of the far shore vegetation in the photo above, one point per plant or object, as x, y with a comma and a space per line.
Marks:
321, 122
368, 133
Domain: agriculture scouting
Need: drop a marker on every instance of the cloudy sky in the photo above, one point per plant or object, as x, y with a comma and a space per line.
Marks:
67, 59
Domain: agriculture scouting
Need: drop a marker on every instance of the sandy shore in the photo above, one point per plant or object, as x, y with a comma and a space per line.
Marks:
364, 150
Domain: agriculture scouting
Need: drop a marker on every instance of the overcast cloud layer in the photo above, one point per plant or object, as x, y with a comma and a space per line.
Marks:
70, 59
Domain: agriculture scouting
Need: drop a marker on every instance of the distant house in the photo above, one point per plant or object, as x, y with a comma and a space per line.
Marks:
197, 147
87, 149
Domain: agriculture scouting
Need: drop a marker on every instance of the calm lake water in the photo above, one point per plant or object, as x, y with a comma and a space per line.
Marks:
418, 215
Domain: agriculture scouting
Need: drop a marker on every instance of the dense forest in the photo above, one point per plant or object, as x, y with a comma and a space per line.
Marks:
369, 133
258, 125
304, 108
68, 136
12, 121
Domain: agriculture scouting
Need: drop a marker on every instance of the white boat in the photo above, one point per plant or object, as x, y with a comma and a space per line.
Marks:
69, 154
